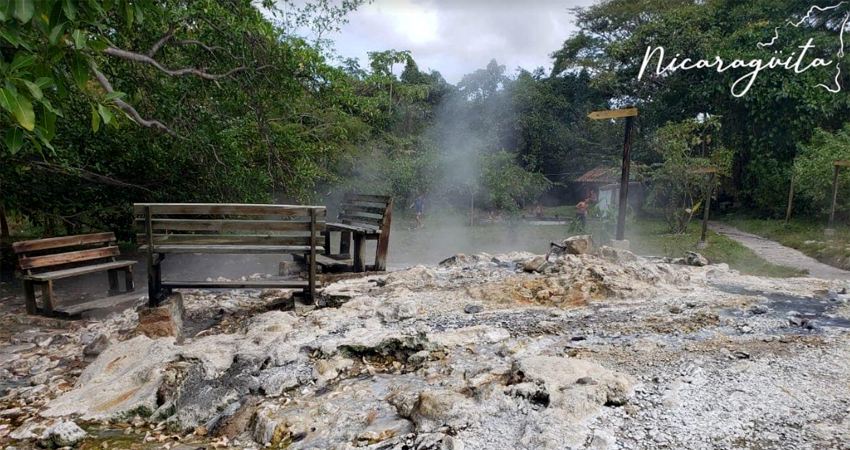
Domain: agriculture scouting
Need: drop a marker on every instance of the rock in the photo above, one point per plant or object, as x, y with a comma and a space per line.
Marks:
577, 387
126, 376
695, 259
96, 346
579, 245
439, 408
62, 434
759, 309
617, 254
460, 258
165, 320
291, 268
536, 264
472, 308
233, 421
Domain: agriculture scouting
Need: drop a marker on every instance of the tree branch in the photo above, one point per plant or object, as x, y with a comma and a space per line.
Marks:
145, 59
87, 175
161, 42
127, 108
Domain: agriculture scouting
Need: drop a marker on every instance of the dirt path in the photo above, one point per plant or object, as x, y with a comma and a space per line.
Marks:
777, 253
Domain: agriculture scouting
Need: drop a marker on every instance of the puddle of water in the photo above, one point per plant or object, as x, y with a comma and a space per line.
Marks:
815, 308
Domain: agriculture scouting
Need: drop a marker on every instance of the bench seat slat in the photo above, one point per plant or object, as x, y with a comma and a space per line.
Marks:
246, 209
229, 225
378, 211
232, 249
380, 199
64, 241
361, 217
262, 284
67, 273
226, 239
35, 262
348, 227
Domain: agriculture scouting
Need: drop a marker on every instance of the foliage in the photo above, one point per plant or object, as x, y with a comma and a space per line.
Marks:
763, 128
681, 148
814, 167
164, 101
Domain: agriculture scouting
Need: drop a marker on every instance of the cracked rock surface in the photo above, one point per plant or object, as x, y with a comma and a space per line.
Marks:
587, 351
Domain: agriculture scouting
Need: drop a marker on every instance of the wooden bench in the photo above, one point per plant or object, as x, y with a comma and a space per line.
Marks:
228, 229
363, 217
91, 253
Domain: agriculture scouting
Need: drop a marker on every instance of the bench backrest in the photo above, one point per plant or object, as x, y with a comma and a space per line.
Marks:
229, 224
368, 211
50, 252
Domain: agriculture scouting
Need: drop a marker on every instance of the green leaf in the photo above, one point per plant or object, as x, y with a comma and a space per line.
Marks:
95, 120
56, 32
14, 139
97, 45
44, 82
49, 107
22, 110
105, 113
49, 124
6, 10
128, 13
39, 132
24, 10
34, 90
6, 100
79, 39
70, 8
21, 60
116, 94
80, 71
11, 35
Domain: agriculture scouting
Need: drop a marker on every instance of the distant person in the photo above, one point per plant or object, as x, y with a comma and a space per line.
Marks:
538, 211
581, 212
594, 198
419, 204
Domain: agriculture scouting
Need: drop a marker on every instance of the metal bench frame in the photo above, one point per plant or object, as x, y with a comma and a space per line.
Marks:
204, 228
97, 250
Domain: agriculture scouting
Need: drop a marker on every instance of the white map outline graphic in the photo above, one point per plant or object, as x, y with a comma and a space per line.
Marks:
837, 88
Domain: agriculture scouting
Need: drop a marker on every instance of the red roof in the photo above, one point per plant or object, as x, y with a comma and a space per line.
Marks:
601, 175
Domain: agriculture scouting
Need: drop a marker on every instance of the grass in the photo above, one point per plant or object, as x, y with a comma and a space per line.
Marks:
803, 234
652, 237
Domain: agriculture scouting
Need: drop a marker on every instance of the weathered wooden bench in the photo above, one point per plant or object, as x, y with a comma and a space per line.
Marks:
362, 217
228, 229
51, 258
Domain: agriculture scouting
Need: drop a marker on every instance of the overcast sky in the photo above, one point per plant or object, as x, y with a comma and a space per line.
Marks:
457, 37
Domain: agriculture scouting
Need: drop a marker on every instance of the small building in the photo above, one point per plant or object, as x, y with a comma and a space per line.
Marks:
604, 181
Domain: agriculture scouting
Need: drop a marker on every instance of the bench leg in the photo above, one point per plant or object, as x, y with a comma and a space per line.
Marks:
327, 242
129, 282
113, 281
359, 252
47, 299
155, 282
29, 290
345, 243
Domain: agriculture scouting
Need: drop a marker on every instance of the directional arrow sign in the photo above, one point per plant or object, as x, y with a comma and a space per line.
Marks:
613, 114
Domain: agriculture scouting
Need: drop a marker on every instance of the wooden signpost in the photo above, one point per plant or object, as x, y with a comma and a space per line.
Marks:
711, 171
629, 114
830, 228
